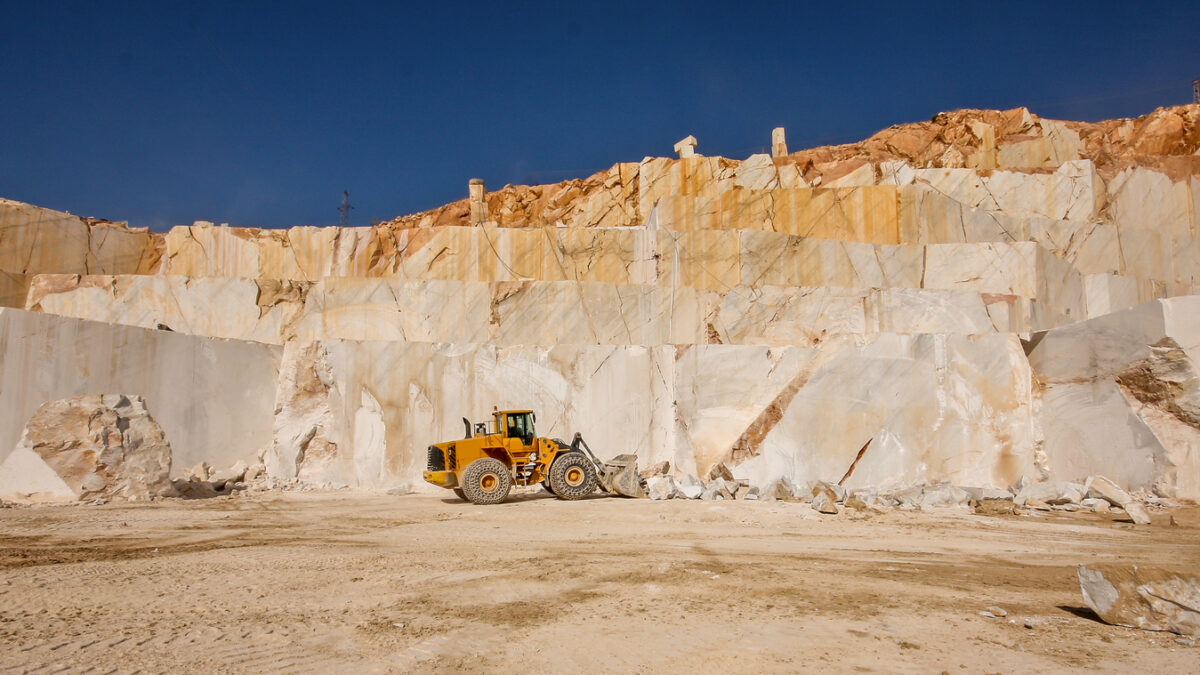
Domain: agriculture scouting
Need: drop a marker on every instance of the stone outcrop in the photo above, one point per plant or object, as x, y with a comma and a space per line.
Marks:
37, 240
89, 447
964, 301
1143, 597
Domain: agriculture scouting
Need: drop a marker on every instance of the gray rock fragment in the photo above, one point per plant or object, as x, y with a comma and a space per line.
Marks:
1020, 484
836, 492
936, 496
689, 487
254, 472
719, 470
660, 487
714, 490
861, 500
823, 503
1051, 493
981, 493
199, 472
659, 469
1099, 487
909, 498
1138, 513
227, 477
731, 490
784, 489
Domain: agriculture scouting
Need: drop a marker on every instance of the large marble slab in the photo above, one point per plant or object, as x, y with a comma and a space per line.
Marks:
215, 399
1121, 396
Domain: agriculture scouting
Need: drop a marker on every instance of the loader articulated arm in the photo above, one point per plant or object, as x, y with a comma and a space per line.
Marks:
578, 444
618, 476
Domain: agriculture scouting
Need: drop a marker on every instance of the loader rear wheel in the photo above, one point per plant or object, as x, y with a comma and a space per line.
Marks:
572, 476
486, 481
460, 494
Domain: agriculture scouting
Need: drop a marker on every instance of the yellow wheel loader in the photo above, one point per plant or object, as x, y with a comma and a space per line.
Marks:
495, 455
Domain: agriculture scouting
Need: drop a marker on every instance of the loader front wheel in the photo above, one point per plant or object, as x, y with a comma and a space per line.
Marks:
572, 476
486, 481
460, 494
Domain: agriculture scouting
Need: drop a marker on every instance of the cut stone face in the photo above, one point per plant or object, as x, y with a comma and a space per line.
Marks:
1124, 393
215, 399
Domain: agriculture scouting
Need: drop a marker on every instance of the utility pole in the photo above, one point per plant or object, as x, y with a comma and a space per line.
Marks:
345, 208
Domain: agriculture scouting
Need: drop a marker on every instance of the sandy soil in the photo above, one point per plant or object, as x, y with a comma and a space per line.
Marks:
307, 582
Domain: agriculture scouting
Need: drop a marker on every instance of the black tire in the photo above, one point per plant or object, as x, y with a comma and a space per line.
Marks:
486, 481
572, 476
460, 494
546, 486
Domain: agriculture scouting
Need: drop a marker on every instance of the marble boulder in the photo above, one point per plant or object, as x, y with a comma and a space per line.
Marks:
89, 447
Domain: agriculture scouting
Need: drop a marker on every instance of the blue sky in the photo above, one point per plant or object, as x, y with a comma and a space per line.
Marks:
260, 114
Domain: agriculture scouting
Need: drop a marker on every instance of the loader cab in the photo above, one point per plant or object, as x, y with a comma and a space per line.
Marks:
517, 424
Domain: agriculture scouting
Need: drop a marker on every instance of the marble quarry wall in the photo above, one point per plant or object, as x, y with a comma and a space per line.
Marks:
937, 406
973, 299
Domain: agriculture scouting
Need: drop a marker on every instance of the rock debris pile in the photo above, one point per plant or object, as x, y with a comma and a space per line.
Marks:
1096, 494
960, 302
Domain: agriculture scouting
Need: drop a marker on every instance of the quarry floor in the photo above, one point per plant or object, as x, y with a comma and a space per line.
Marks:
336, 582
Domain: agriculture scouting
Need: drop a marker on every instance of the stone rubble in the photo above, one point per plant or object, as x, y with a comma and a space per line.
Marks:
824, 502
832, 493
199, 472
660, 487
660, 469
1099, 487
714, 490
861, 500
689, 487
231, 476
1050, 493
943, 496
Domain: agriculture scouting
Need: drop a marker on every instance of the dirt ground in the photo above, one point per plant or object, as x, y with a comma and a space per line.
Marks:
332, 582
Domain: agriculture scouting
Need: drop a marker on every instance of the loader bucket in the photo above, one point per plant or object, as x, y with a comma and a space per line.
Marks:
620, 476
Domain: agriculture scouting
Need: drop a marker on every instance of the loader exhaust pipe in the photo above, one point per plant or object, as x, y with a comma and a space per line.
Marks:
467, 424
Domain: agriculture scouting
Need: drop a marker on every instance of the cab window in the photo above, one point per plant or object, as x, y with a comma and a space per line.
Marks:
520, 426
